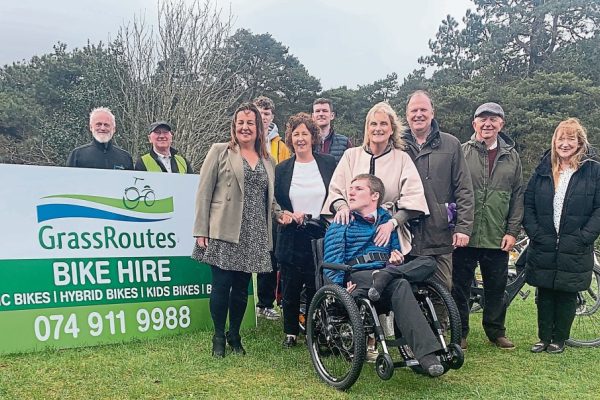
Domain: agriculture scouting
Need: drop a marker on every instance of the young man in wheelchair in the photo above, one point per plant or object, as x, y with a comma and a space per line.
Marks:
353, 244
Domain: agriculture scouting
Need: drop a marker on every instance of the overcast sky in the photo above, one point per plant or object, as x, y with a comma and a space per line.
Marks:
340, 42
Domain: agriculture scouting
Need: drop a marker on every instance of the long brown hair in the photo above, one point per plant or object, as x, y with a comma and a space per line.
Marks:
259, 143
569, 127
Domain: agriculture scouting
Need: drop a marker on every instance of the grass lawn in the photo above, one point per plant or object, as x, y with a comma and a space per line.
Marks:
181, 367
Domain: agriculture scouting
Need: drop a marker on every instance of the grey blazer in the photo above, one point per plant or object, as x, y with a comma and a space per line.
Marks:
220, 195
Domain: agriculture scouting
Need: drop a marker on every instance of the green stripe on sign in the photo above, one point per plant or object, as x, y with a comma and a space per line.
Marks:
54, 328
159, 206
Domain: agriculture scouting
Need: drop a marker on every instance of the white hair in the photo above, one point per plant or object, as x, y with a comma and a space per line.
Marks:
104, 110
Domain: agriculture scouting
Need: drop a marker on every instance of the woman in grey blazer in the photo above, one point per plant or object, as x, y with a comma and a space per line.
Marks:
234, 207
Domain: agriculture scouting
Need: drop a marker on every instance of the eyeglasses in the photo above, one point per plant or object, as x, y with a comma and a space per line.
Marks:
161, 132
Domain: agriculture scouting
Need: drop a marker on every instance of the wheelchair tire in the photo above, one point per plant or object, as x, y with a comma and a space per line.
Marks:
335, 337
448, 318
384, 366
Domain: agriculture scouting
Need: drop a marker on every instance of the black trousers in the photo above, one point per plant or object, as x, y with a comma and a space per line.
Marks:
398, 297
266, 283
266, 286
294, 278
556, 312
493, 264
229, 296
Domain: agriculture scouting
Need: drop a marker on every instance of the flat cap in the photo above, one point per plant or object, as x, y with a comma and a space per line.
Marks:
156, 124
489, 108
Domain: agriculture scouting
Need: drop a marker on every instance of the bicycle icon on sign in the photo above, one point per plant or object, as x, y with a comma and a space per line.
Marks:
132, 196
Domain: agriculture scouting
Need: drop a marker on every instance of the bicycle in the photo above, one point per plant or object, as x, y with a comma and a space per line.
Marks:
585, 331
132, 196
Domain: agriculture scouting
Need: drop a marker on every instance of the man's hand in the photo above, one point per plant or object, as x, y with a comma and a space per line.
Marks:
396, 257
342, 216
508, 242
202, 241
350, 286
460, 240
384, 231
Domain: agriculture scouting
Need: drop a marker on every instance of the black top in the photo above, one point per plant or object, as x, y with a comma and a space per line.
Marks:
101, 156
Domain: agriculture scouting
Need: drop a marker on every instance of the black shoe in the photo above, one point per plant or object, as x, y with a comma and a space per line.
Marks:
539, 347
235, 342
218, 349
431, 365
555, 348
289, 341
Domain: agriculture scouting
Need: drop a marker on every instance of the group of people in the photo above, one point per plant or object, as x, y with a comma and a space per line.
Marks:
102, 153
407, 192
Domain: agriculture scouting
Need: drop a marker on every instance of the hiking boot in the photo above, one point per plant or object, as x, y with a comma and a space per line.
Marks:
503, 343
268, 313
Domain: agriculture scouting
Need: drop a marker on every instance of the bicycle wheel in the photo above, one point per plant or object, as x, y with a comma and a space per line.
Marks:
131, 198
585, 331
335, 337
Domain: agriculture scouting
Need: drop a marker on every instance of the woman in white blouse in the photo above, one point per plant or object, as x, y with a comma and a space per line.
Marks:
301, 186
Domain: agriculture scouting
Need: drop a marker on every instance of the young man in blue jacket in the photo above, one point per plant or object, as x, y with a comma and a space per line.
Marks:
346, 244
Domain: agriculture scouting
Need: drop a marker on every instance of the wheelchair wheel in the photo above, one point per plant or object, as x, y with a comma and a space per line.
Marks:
585, 331
442, 314
335, 337
445, 309
384, 366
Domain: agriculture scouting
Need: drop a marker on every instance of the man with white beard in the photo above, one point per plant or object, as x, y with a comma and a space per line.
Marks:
101, 153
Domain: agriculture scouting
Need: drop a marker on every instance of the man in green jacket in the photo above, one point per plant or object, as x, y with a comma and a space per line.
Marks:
497, 180
162, 157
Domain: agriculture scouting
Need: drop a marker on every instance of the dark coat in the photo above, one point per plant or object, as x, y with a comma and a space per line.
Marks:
446, 179
562, 261
293, 247
101, 156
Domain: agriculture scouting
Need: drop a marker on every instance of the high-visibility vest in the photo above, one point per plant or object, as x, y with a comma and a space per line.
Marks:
152, 165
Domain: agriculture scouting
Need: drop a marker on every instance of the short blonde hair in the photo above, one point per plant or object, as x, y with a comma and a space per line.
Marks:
570, 127
397, 126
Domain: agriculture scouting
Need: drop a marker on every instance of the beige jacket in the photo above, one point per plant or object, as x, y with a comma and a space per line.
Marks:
403, 186
220, 195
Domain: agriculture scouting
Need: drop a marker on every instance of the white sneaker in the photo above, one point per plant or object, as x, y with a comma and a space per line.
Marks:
268, 313
372, 354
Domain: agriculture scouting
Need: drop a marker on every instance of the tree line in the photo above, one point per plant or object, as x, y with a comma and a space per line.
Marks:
538, 58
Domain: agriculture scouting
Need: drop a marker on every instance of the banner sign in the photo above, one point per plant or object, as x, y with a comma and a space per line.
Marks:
98, 256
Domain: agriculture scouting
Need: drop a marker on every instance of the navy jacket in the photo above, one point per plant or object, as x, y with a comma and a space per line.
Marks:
344, 243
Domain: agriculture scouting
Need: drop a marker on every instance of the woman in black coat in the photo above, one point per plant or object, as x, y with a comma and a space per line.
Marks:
301, 186
562, 220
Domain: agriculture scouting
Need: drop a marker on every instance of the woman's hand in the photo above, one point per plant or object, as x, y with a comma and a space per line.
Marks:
285, 218
342, 216
202, 241
298, 217
384, 231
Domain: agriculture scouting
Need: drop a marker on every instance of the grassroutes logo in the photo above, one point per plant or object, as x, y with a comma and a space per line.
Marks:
138, 203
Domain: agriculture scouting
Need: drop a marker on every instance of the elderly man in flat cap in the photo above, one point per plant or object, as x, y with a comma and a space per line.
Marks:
495, 169
162, 157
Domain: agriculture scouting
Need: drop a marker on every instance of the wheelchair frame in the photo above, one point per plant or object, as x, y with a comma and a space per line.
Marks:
337, 326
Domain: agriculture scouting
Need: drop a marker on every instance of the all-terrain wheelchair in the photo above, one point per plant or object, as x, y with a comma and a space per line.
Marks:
338, 324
